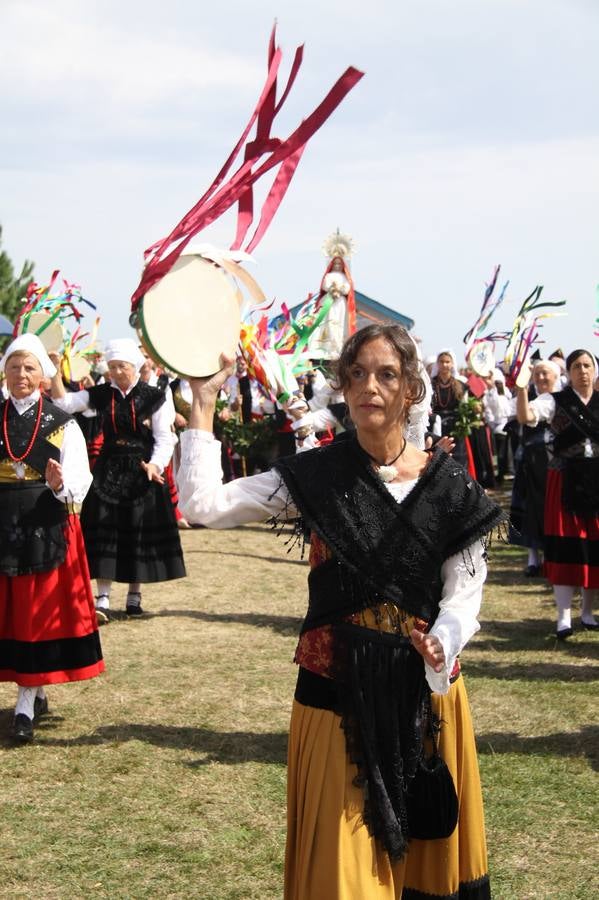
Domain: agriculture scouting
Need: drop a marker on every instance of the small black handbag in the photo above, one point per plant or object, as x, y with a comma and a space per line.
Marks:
431, 800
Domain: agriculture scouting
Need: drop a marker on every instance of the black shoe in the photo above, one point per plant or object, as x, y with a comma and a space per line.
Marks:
532, 571
40, 707
134, 609
563, 633
23, 729
102, 615
590, 626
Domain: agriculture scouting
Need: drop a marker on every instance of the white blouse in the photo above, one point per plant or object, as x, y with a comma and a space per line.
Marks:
73, 460
205, 500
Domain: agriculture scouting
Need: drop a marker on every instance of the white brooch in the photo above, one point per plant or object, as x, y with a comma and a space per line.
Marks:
386, 473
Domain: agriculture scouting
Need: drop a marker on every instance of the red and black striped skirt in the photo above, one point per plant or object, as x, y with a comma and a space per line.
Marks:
48, 630
571, 541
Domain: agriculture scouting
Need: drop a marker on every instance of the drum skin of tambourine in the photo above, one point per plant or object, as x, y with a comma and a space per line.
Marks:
482, 358
190, 317
79, 368
51, 337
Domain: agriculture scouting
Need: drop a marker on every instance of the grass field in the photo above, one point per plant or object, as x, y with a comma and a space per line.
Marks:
165, 778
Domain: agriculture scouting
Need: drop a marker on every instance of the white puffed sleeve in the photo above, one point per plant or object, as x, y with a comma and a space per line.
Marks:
162, 432
74, 402
463, 576
76, 475
205, 500
542, 408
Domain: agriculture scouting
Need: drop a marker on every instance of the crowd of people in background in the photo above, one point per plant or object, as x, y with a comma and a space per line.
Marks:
131, 416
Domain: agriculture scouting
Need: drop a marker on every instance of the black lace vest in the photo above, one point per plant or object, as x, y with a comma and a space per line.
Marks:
128, 440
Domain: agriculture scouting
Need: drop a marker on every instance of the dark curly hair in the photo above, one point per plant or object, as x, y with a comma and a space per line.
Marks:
405, 350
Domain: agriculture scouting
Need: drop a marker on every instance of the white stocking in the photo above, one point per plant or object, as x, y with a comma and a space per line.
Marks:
533, 556
589, 595
563, 594
25, 701
104, 587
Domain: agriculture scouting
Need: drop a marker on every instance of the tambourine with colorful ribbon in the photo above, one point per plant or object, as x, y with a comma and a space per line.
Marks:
181, 297
50, 312
525, 333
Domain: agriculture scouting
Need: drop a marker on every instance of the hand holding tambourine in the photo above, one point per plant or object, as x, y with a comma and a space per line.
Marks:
524, 376
205, 391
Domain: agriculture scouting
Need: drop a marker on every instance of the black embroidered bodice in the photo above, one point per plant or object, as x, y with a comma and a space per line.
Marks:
32, 520
20, 429
128, 440
573, 424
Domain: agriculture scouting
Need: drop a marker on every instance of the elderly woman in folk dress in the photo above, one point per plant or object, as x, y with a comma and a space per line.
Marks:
527, 508
48, 631
397, 567
128, 521
571, 538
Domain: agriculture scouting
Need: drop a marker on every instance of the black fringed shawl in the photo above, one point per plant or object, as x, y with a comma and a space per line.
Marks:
382, 550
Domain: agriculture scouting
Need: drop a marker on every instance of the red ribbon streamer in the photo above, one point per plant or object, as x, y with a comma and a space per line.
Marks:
220, 197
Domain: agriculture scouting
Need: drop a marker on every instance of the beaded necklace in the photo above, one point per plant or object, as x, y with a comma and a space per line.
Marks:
443, 404
17, 461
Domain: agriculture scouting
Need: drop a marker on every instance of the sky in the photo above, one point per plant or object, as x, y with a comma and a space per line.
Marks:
472, 141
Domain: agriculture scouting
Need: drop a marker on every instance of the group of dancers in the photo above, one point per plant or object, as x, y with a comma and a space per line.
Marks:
382, 763
63, 524
550, 429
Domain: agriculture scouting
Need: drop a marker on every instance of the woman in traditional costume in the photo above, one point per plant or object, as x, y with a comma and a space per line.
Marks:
527, 510
48, 630
128, 521
571, 538
448, 391
397, 559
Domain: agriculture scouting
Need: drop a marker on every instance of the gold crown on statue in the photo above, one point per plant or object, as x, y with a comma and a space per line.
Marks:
338, 244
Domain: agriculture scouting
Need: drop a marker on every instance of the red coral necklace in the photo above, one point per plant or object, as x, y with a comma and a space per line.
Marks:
112, 416
17, 461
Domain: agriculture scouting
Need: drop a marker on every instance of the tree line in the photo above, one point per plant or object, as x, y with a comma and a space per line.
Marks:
13, 286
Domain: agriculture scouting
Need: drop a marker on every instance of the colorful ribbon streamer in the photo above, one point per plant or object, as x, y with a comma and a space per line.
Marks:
221, 195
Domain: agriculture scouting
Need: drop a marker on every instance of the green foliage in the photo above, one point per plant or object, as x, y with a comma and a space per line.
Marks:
256, 436
12, 287
468, 417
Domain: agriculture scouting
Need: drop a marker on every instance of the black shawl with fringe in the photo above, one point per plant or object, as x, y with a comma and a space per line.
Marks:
382, 550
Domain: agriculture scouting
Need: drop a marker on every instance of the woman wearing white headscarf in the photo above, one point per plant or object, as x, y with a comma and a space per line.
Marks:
128, 521
527, 510
571, 525
48, 630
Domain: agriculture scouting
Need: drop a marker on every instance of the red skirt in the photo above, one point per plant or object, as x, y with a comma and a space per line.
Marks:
571, 541
48, 630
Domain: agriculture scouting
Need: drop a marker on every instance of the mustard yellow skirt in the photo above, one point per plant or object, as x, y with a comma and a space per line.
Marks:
331, 856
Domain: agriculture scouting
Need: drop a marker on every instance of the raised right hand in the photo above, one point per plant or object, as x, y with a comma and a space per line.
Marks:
205, 391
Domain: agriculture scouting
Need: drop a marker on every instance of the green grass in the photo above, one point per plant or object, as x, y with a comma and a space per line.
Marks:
166, 777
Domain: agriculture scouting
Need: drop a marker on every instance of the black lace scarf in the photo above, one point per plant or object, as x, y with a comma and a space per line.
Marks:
382, 550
